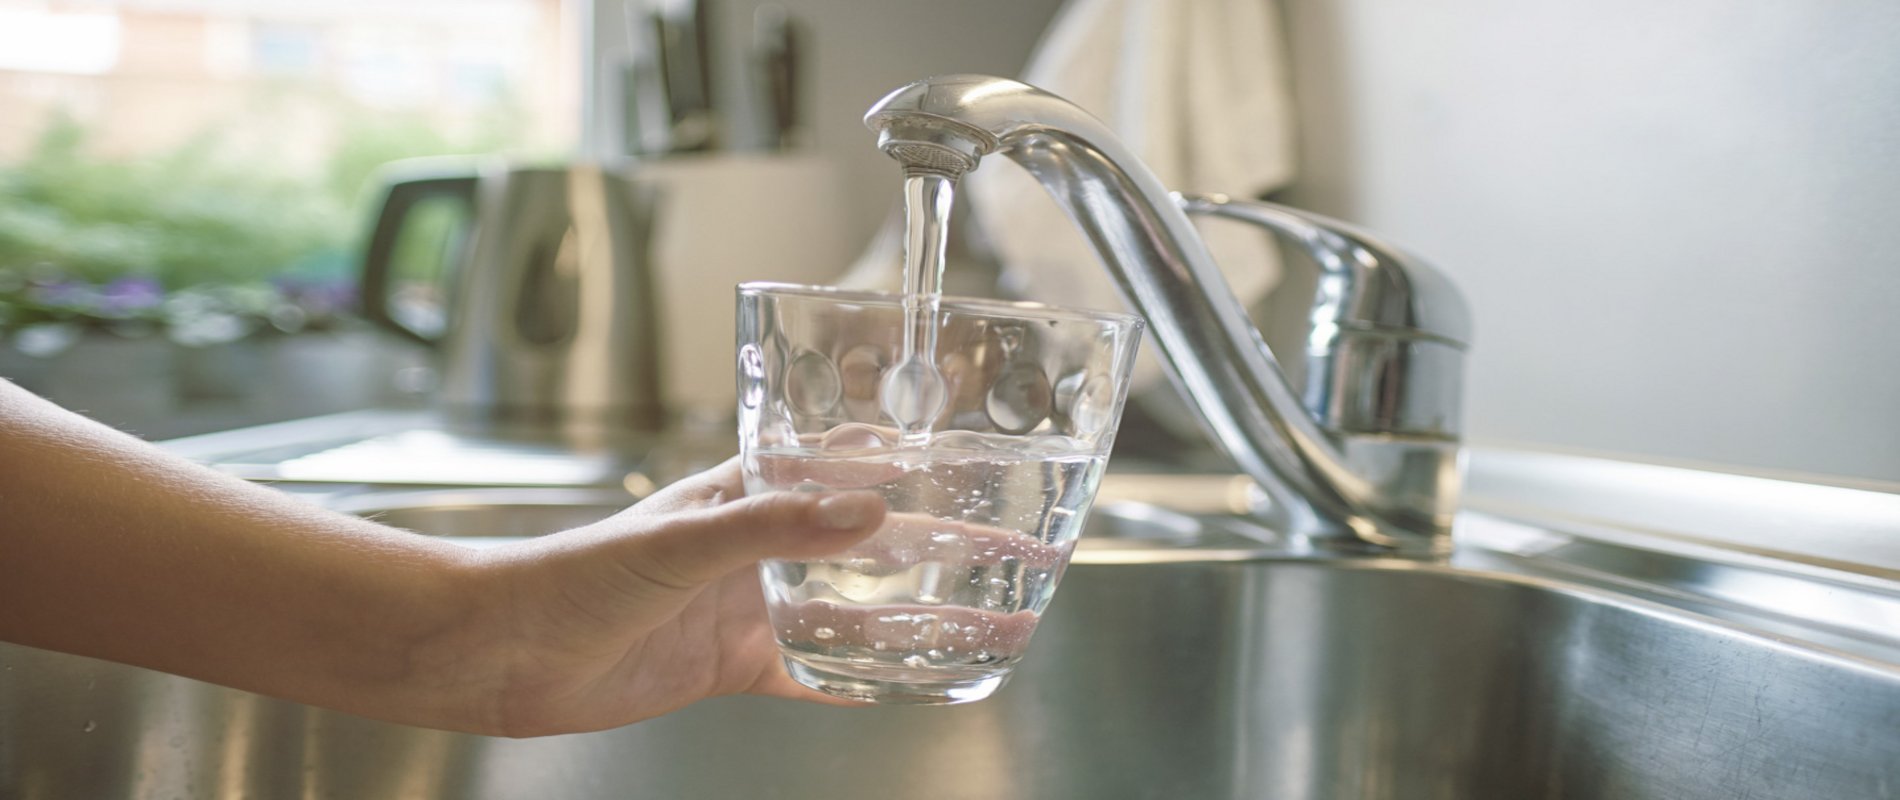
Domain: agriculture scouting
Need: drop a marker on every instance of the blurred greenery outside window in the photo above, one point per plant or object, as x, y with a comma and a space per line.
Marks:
243, 215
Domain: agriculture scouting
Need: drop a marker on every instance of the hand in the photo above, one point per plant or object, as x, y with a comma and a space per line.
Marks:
112, 548
648, 611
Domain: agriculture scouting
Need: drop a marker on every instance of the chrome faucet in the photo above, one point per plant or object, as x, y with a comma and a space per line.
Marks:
1364, 459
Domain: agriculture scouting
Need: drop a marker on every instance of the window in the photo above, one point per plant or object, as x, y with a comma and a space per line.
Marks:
224, 143
194, 171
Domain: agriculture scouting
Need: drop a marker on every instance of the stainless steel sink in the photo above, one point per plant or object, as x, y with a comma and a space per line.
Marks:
487, 516
1182, 658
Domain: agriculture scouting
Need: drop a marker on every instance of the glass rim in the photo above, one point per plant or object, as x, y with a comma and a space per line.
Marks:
972, 305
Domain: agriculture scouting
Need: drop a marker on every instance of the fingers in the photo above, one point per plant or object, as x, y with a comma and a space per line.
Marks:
697, 547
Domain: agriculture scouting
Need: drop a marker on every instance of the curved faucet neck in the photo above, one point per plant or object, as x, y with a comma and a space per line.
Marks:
1328, 485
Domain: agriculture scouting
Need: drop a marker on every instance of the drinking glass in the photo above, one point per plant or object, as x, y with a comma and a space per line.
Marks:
939, 605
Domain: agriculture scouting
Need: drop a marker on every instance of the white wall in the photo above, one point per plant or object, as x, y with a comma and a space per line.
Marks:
1678, 223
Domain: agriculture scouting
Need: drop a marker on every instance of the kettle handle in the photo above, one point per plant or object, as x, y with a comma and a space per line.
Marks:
402, 199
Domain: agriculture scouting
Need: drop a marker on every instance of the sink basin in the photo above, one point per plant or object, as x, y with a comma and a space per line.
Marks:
1179, 660
487, 516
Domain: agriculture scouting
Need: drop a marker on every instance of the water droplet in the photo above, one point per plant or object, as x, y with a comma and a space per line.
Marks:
1093, 408
822, 634
934, 653
1019, 400
913, 393
880, 645
90, 726
916, 661
812, 384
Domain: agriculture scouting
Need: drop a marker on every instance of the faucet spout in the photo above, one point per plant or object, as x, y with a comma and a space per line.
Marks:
1365, 458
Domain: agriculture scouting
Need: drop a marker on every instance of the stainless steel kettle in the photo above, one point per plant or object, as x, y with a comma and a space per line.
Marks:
547, 310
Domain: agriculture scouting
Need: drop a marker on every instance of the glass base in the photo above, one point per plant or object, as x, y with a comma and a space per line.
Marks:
871, 683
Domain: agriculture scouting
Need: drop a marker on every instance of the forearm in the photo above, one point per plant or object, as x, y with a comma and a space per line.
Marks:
111, 548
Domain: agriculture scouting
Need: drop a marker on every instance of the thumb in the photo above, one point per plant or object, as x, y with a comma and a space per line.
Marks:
699, 547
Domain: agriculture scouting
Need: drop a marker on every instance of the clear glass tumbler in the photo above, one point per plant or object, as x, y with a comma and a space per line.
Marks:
939, 605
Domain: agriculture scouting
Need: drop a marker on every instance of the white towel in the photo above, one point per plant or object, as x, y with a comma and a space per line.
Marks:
1198, 91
